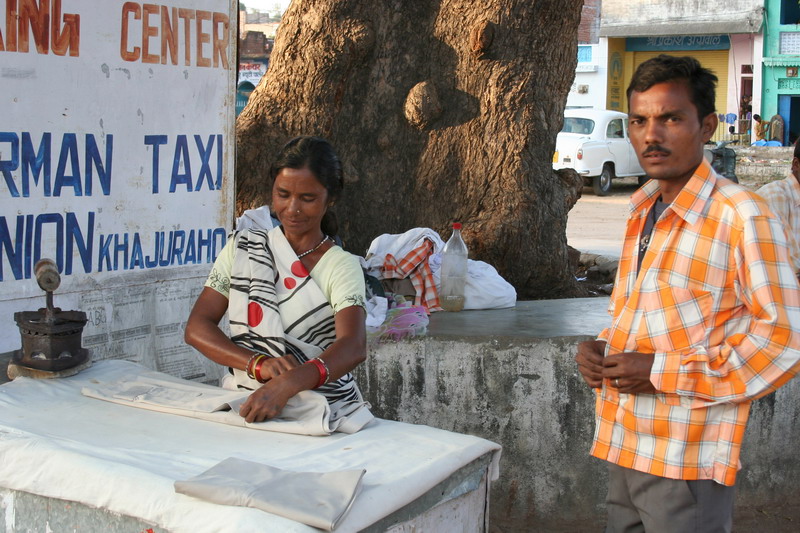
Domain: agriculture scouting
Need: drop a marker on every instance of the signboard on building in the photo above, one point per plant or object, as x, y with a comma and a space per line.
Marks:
615, 79
251, 72
116, 161
669, 43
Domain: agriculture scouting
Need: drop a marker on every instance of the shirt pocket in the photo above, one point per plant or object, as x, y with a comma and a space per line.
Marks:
673, 318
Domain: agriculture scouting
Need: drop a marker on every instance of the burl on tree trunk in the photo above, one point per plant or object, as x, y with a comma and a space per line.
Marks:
441, 111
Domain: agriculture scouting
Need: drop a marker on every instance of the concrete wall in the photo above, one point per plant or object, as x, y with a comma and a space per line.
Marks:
526, 394
675, 17
762, 164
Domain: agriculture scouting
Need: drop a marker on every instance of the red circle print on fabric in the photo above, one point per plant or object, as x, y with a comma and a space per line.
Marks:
254, 314
299, 269
290, 283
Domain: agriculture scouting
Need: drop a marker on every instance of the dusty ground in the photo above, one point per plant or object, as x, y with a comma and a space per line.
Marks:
596, 224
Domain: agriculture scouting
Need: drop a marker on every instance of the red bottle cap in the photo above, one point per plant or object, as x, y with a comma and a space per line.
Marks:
457, 225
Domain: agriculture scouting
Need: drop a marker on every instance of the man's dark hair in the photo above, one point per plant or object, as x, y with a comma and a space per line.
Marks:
665, 68
796, 149
757, 117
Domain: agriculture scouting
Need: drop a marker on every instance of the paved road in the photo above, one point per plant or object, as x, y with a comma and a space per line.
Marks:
596, 224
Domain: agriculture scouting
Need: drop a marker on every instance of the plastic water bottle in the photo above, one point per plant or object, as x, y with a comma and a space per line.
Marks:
453, 272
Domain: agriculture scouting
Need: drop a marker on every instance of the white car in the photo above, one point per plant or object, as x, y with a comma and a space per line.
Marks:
595, 143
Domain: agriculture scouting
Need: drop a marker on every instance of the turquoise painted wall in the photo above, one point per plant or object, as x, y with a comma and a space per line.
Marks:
775, 81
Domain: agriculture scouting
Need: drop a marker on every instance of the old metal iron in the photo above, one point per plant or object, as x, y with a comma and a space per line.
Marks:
51, 338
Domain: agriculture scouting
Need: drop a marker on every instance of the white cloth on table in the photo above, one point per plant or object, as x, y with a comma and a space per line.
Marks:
57, 443
306, 413
319, 499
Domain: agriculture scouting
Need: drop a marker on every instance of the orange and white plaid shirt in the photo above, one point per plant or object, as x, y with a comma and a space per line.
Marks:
783, 197
717, 302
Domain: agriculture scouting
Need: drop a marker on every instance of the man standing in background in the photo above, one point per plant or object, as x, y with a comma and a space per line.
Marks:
783, 197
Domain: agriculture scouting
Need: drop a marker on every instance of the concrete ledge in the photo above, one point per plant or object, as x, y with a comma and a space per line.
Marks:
528, 320
511, 378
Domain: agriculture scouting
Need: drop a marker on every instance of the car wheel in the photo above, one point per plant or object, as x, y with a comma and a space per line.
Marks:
643, 180
602, 183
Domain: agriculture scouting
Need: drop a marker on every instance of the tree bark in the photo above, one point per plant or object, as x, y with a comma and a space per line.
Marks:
441, 111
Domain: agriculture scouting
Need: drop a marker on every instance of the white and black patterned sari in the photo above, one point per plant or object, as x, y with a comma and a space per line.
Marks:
276, 308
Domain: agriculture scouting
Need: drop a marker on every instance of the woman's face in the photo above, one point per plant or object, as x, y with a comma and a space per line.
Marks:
299, 201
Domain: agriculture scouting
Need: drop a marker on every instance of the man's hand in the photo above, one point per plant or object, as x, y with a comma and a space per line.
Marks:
629, 372
590, 362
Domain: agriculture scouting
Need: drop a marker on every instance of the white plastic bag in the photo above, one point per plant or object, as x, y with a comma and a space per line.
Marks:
485, 289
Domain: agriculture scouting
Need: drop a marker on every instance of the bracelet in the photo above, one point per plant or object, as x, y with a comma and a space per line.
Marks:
324, 373
257, 370
249, 367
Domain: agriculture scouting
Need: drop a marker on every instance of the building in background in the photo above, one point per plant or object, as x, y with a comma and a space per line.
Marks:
589, 87
781, 61
724, 36
256, 39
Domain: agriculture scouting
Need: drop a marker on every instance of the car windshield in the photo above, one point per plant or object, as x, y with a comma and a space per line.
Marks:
578, 125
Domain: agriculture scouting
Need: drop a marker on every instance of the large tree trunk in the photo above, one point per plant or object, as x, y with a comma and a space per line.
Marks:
441, 111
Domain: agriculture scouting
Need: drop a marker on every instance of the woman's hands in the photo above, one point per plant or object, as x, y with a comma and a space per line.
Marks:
272, 367
267, 401
286, 377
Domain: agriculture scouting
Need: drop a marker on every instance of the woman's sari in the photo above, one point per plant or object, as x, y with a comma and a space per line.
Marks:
275, 308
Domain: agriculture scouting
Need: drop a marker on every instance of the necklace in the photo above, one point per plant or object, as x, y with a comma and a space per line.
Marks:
325, 238
645, 240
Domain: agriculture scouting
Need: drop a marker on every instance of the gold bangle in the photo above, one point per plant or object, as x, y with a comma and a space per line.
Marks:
248, 369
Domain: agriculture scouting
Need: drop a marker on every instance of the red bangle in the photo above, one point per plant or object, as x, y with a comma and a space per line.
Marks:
257, 370
250, 368
323, 371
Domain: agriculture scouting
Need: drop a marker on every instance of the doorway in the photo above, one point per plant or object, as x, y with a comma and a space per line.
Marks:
789, 109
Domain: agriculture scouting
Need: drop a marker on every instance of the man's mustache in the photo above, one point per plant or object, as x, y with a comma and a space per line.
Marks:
656, 148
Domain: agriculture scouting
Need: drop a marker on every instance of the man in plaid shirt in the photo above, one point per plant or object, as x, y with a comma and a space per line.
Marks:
783, 197
705, 318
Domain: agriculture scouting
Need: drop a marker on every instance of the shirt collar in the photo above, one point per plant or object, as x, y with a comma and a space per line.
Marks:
690, 202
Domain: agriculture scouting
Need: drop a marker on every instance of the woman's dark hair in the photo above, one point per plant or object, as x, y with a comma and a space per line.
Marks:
316, 154
665, 68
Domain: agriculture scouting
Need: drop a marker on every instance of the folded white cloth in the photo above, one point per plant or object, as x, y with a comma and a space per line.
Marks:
306, 413
319, 499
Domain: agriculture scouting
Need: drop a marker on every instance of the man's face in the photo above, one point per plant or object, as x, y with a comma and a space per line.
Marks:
666, 133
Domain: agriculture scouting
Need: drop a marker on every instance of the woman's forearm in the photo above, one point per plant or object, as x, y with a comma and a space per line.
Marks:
212, 342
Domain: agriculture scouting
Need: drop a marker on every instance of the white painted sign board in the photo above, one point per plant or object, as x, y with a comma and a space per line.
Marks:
116, 161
